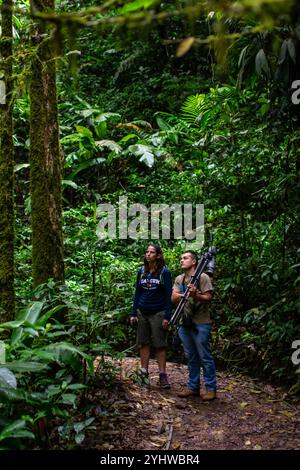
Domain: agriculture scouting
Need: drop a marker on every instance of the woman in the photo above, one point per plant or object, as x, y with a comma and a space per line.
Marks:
152, 310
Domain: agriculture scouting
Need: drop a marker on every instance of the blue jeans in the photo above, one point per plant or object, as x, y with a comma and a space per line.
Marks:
196, 347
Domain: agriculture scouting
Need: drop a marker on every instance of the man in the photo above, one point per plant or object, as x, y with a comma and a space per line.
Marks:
195, 329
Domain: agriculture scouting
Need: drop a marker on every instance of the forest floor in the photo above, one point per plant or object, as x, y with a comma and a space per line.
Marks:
247, 414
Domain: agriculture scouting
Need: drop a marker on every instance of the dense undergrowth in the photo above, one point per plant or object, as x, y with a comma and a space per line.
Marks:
139, 122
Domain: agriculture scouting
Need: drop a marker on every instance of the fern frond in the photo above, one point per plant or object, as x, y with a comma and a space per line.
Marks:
191, 108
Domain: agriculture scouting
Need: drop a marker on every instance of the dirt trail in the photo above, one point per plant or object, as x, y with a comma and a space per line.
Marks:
246, 415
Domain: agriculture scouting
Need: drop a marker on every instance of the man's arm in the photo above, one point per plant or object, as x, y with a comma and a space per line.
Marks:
198, 295
176, 296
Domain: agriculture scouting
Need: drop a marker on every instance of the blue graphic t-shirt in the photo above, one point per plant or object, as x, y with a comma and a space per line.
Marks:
153, 293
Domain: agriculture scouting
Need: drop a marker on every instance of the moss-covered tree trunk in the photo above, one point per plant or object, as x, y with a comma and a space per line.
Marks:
7, 293
45, 162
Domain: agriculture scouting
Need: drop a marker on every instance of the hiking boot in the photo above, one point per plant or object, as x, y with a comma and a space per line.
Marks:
209, 395
163, 380
187, 392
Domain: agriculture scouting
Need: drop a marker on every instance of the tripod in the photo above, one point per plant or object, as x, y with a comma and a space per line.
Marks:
207, 262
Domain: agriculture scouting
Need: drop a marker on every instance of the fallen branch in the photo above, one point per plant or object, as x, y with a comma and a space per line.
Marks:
169, 440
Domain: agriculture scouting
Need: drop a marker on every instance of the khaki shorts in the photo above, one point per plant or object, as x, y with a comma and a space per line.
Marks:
150, 330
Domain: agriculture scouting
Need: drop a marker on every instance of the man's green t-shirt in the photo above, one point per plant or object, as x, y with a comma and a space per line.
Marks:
198, 310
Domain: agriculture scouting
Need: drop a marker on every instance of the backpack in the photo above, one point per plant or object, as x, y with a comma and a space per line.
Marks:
161, 277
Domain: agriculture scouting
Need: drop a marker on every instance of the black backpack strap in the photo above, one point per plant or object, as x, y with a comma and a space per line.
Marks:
161, 276
140, 273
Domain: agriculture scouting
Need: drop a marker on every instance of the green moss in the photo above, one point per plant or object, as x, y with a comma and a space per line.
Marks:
45, 169
7, 294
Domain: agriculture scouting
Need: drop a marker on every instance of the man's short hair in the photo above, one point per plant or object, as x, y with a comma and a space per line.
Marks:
193, 253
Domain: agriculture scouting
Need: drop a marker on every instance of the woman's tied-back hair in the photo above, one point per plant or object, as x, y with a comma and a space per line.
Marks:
160, 262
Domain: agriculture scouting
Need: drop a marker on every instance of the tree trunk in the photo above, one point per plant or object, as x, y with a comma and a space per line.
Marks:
7, 292
45, 162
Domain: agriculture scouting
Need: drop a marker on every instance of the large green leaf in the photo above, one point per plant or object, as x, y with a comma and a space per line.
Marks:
26, 366
15, 430
144, 152
261, 63
29, 314
9, 394
69, 399
84, 131
283, 52
32, 312
7, 378
162, 124
129, 137
103, 117
20, 166
47, 356
80, 426
59, 348
242, 58
136, 5
84, 165
10, 325
69, 183
44, 318
87, 112
292, 50
111, 144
